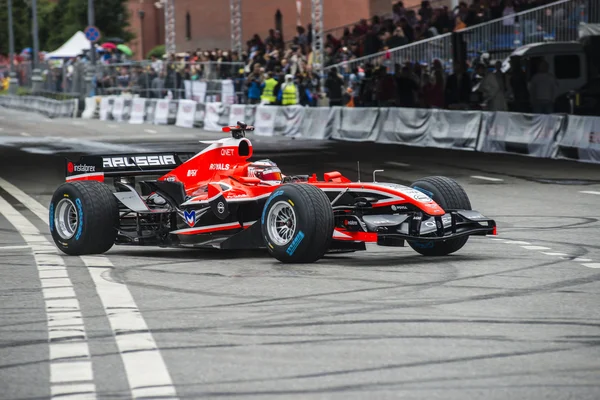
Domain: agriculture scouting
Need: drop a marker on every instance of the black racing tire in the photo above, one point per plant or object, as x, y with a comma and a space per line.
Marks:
94, 214
312, 232
449, 195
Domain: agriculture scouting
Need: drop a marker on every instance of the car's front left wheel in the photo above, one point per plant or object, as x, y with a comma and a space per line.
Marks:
297, 223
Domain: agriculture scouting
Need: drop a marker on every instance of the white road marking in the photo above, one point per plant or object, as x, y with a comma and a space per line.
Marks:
592, 265
25, 134
516, 242
144, 366
397, 164
590, 192
487, 178
536, 248
137, 347
74, 361
150, 131
14, 247
583, 259
555, 254
112, 126
77, 123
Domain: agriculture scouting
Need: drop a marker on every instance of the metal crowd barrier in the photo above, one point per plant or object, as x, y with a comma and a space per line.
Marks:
558, 21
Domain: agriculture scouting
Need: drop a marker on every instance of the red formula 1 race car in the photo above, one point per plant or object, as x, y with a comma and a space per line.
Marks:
217, 198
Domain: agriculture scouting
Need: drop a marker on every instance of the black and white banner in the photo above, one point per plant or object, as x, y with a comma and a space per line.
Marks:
216, 117
533, 134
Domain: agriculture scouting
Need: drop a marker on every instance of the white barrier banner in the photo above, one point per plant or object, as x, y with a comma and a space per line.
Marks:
105, 107
511, 132
429, 127
186, 114
583, 134
138, 108
288, 120
161, 113
188, 89
317, 122
356, 124
118, 107
264, 122
216, 117
227, 92
150, 110
237, 112
199, 91
90, 108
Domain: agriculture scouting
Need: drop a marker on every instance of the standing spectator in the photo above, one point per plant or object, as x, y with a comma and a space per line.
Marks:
253, 83
268, 90
543, 87
458, 88
289, 92
518, 86
334, 86
407, 88
492, 95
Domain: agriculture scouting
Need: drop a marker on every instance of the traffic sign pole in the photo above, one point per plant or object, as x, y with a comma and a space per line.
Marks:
93, 35
91, 23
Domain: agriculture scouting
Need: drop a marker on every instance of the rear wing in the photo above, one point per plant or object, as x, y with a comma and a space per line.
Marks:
96, 167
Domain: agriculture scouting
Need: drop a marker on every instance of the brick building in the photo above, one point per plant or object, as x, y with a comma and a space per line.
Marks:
206, 23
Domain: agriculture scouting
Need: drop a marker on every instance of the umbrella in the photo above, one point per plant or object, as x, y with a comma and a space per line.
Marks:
124, 49
109, 45
116, 40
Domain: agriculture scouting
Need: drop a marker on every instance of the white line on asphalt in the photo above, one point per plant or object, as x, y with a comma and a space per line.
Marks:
14, 247
590, 192
516, 242
397, 164
134, 340
150, 131
112, 126
583, 259
487, 178
144, 366
25, 134
536, 247
73, 350
555, 254
592, 265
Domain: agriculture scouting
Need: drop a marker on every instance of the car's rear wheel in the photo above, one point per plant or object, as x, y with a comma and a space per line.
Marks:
84, 217
297, 223
449, 195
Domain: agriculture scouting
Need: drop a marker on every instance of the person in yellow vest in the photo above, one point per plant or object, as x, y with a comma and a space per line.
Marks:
289, 92
268, 90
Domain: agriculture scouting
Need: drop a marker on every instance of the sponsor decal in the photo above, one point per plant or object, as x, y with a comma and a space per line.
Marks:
219, 167
295, 243
138, 161
595, 137
84, 168
277, 193
171, 179
420, 197
266, 116
192, 172
423, 245
187, 108
190, 217
350, 222
221, 207
51, 217
80, 222
227, 152
396, 207
70, 167
163, 105
138, 108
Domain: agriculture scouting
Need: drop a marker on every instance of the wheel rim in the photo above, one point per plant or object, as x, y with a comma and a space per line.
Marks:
66, 219
281, 223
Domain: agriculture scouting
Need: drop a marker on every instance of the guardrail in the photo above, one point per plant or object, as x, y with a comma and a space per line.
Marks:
544, 136
552, 22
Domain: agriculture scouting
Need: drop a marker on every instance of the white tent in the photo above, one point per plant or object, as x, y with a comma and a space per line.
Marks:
72, 48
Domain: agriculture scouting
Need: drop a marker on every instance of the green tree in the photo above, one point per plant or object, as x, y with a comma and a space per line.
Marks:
57, 22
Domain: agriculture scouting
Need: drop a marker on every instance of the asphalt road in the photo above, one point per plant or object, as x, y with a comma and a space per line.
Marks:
510, 317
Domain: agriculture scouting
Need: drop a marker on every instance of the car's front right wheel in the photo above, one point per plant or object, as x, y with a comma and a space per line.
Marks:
297, 223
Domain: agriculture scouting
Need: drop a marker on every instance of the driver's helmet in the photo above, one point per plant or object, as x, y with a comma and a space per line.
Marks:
265, 170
